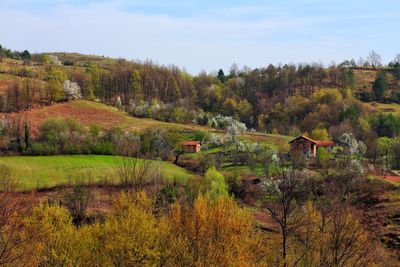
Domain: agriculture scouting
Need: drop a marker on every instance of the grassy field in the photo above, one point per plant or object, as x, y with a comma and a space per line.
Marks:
49, 171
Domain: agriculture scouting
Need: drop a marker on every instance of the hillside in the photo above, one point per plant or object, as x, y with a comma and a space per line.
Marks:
90, 112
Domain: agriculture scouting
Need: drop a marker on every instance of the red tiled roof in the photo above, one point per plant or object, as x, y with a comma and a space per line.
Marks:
190, 143
325, 143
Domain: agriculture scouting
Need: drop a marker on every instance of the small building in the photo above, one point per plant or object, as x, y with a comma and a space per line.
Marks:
191, 146
308, 146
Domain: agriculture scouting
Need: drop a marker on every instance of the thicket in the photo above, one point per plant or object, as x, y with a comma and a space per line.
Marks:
67, 136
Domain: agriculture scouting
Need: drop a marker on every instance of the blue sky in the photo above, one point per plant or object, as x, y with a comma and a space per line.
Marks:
203, 34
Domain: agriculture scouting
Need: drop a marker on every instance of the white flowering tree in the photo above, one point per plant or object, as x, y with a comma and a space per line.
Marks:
54, 60
118, 102
234, 129
72, 90
350, 144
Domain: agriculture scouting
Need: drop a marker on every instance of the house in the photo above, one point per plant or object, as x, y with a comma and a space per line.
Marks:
308, 146
191, 146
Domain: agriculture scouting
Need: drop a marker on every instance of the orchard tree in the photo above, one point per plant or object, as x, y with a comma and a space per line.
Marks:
72, 90
234, 129
349, 143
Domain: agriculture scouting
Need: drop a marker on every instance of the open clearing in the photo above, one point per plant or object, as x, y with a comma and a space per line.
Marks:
50, 171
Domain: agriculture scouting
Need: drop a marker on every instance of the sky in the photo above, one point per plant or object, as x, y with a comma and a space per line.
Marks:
206, 34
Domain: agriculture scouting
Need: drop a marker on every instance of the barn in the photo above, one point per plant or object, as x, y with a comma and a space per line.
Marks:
191, 146
308, 146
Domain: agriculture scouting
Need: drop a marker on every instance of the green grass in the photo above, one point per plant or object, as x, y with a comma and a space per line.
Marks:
49, 171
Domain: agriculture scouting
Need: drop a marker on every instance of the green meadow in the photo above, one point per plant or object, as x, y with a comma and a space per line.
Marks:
48, 171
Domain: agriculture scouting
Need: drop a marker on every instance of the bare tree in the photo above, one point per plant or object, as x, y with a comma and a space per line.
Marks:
374, 59
134, 172
77, 198
396, 59
283, 190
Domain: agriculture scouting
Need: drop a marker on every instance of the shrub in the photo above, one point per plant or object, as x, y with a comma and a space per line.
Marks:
101, 148
43, 149
68, 63
214, 183
76, 200
135, 173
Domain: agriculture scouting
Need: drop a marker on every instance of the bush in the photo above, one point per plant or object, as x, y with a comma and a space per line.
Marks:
76, 199
68, 63
72, 148
367, 96
214, 183
43, 149
101, 148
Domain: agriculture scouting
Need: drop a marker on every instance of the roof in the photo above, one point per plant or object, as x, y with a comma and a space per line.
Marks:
190, 143
305, 137
325, 143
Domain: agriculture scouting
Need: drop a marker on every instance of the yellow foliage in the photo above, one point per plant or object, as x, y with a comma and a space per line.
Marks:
210, 233
214, 233
327, 96
55, 236
131, 235
319, 134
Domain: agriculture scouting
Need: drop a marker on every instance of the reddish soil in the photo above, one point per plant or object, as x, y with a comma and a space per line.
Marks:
4, 84
86, 116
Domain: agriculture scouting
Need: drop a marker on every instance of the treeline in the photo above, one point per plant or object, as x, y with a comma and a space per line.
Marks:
253, 96
67, 136
8, 53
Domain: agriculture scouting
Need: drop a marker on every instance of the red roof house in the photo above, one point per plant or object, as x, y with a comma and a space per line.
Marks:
308, 146
191, 146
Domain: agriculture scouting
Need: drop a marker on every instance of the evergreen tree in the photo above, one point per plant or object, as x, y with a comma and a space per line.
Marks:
221, 76
348, 78
28, 143
380, 85
25, 55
